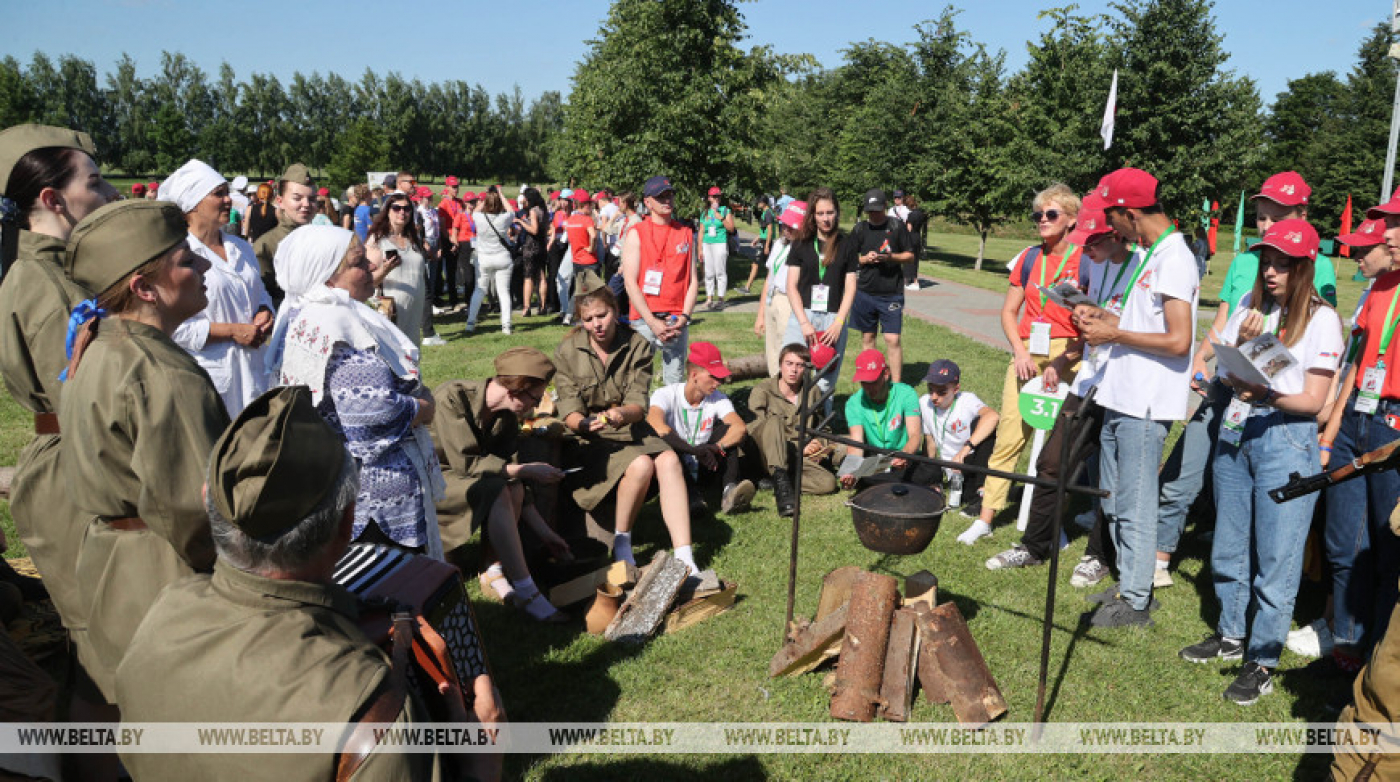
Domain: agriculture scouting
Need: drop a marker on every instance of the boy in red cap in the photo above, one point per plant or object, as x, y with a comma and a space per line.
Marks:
700, 423
886, 415
1145, 384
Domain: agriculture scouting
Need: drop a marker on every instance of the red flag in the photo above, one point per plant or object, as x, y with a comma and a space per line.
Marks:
1346, 228
1214, 225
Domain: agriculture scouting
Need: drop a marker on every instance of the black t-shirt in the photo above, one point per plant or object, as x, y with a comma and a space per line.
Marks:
805, 257
885, 278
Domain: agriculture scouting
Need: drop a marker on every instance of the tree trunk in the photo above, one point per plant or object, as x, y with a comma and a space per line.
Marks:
981, 246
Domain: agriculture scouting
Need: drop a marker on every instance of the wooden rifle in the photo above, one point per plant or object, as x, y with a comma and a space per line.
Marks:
1387, 457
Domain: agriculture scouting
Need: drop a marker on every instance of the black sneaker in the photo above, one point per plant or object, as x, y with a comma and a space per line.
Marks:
1120, 614
972, 509
1213, 647
1254, 680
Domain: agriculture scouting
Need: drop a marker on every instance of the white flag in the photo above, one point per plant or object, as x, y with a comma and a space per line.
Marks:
1109, 110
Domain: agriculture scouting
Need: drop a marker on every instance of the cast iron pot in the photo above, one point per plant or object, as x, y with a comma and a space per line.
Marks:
896, 518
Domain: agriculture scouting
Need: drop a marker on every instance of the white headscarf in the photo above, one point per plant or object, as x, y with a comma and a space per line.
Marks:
314, 317
190, 184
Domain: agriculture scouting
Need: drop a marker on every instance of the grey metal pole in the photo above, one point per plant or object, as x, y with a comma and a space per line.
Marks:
1388, 179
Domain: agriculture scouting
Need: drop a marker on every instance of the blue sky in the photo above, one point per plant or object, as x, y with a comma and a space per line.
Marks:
536, 45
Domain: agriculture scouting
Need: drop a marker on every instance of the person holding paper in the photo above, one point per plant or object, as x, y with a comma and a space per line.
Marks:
886, 415
1267, 432
1038, 331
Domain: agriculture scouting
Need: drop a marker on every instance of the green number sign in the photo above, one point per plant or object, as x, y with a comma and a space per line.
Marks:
1038, 408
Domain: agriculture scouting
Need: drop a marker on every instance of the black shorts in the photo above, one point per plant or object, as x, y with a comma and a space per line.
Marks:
871, 313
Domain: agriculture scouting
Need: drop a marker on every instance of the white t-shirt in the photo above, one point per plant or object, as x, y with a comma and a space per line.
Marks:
692, 423
776, 284
1100, 278
1320, 347
950, 429
1142, 384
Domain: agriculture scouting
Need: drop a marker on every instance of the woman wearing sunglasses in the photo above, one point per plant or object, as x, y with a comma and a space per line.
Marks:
394, 246
1268, 431
1038, 331
476, 431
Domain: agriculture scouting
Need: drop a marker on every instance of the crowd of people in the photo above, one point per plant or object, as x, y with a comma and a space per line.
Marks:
147, 334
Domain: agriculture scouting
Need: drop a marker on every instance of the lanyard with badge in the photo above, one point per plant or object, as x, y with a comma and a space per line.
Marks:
1040, 327
692, 430
713, 218
1237, 413
943, 429
1105, 296
775, 262
652, 278
821, 293
1368, 397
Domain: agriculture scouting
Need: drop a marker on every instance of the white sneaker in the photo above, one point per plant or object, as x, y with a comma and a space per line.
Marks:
913, 286
568, 320
1315, 640
505, 330
1161, 579
434, 341
978, 530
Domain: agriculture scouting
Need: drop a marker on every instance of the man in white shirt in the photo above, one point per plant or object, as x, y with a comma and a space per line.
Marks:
699, 422
1146, 382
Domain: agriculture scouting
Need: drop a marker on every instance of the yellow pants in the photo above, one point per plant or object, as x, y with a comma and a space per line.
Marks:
1012, 432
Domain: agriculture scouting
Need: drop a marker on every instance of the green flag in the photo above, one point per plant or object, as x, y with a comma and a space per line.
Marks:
1239, 224
1205, 214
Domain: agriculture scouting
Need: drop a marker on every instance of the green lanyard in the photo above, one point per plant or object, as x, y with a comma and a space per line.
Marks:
1389, 330
779, 256
943, 431
1064, 259
1129, 290
695, 428
1107, 293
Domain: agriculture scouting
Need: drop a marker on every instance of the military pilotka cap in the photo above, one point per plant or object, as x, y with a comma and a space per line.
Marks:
118, 238
20, 140
275, 463
298, 173
527, 362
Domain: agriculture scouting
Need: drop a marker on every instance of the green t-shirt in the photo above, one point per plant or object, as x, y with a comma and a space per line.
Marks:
1244, 270
884, 426
712, 230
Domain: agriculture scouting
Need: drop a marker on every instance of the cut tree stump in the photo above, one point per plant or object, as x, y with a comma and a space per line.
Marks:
897, 688
812, 646
921, 588
579, 589
649, 603
874, 598
968, 682
747, 367
836, 590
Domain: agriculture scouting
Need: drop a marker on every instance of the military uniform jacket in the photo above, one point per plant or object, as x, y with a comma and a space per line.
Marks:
766, 401
35, 300
587, 386
473, 456
139, 419
266, 249
236, 647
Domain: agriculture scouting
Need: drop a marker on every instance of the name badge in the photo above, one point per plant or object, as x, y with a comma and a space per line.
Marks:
710, 230
1368, 398
1040, 338
1232, 425
821, 297
651, 282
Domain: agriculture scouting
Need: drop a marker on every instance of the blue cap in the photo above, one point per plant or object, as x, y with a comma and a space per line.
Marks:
656, 186
942, 372
566, 193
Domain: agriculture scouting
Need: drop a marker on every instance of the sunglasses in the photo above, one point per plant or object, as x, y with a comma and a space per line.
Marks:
1049, 214
400, 208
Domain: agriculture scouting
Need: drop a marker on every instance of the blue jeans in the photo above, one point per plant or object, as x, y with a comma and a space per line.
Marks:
1363, 552
1257, 556
673, 353
1185, 471
1130, 450
821, 321
564, 281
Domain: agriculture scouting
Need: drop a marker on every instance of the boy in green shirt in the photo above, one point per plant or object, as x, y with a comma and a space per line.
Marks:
886, 415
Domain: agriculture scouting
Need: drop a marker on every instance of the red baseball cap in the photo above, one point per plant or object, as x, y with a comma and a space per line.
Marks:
1090, 223
323, 192
1391, 207
469, 196
822, 354
601, 195
452, 181
706, 356
1293, 237
793, 214
1131, 188
1369, 234
1092, 200
138, 188
1286, 188
580, 196
869, 364
152, 185
554, 196
715, 191
424, 191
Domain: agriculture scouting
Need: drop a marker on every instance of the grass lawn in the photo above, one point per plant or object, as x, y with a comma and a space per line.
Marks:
717, 670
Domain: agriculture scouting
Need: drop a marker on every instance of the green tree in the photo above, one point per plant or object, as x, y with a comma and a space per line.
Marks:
18, 101
665, 89
364, 146
1181, 116
130, 104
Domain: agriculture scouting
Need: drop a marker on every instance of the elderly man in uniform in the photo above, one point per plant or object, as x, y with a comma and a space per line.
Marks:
268, 637
296, 206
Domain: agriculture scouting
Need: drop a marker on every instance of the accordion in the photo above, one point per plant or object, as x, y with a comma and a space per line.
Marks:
385, 579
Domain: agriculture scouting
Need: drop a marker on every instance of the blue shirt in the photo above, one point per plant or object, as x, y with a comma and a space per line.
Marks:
362, 218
